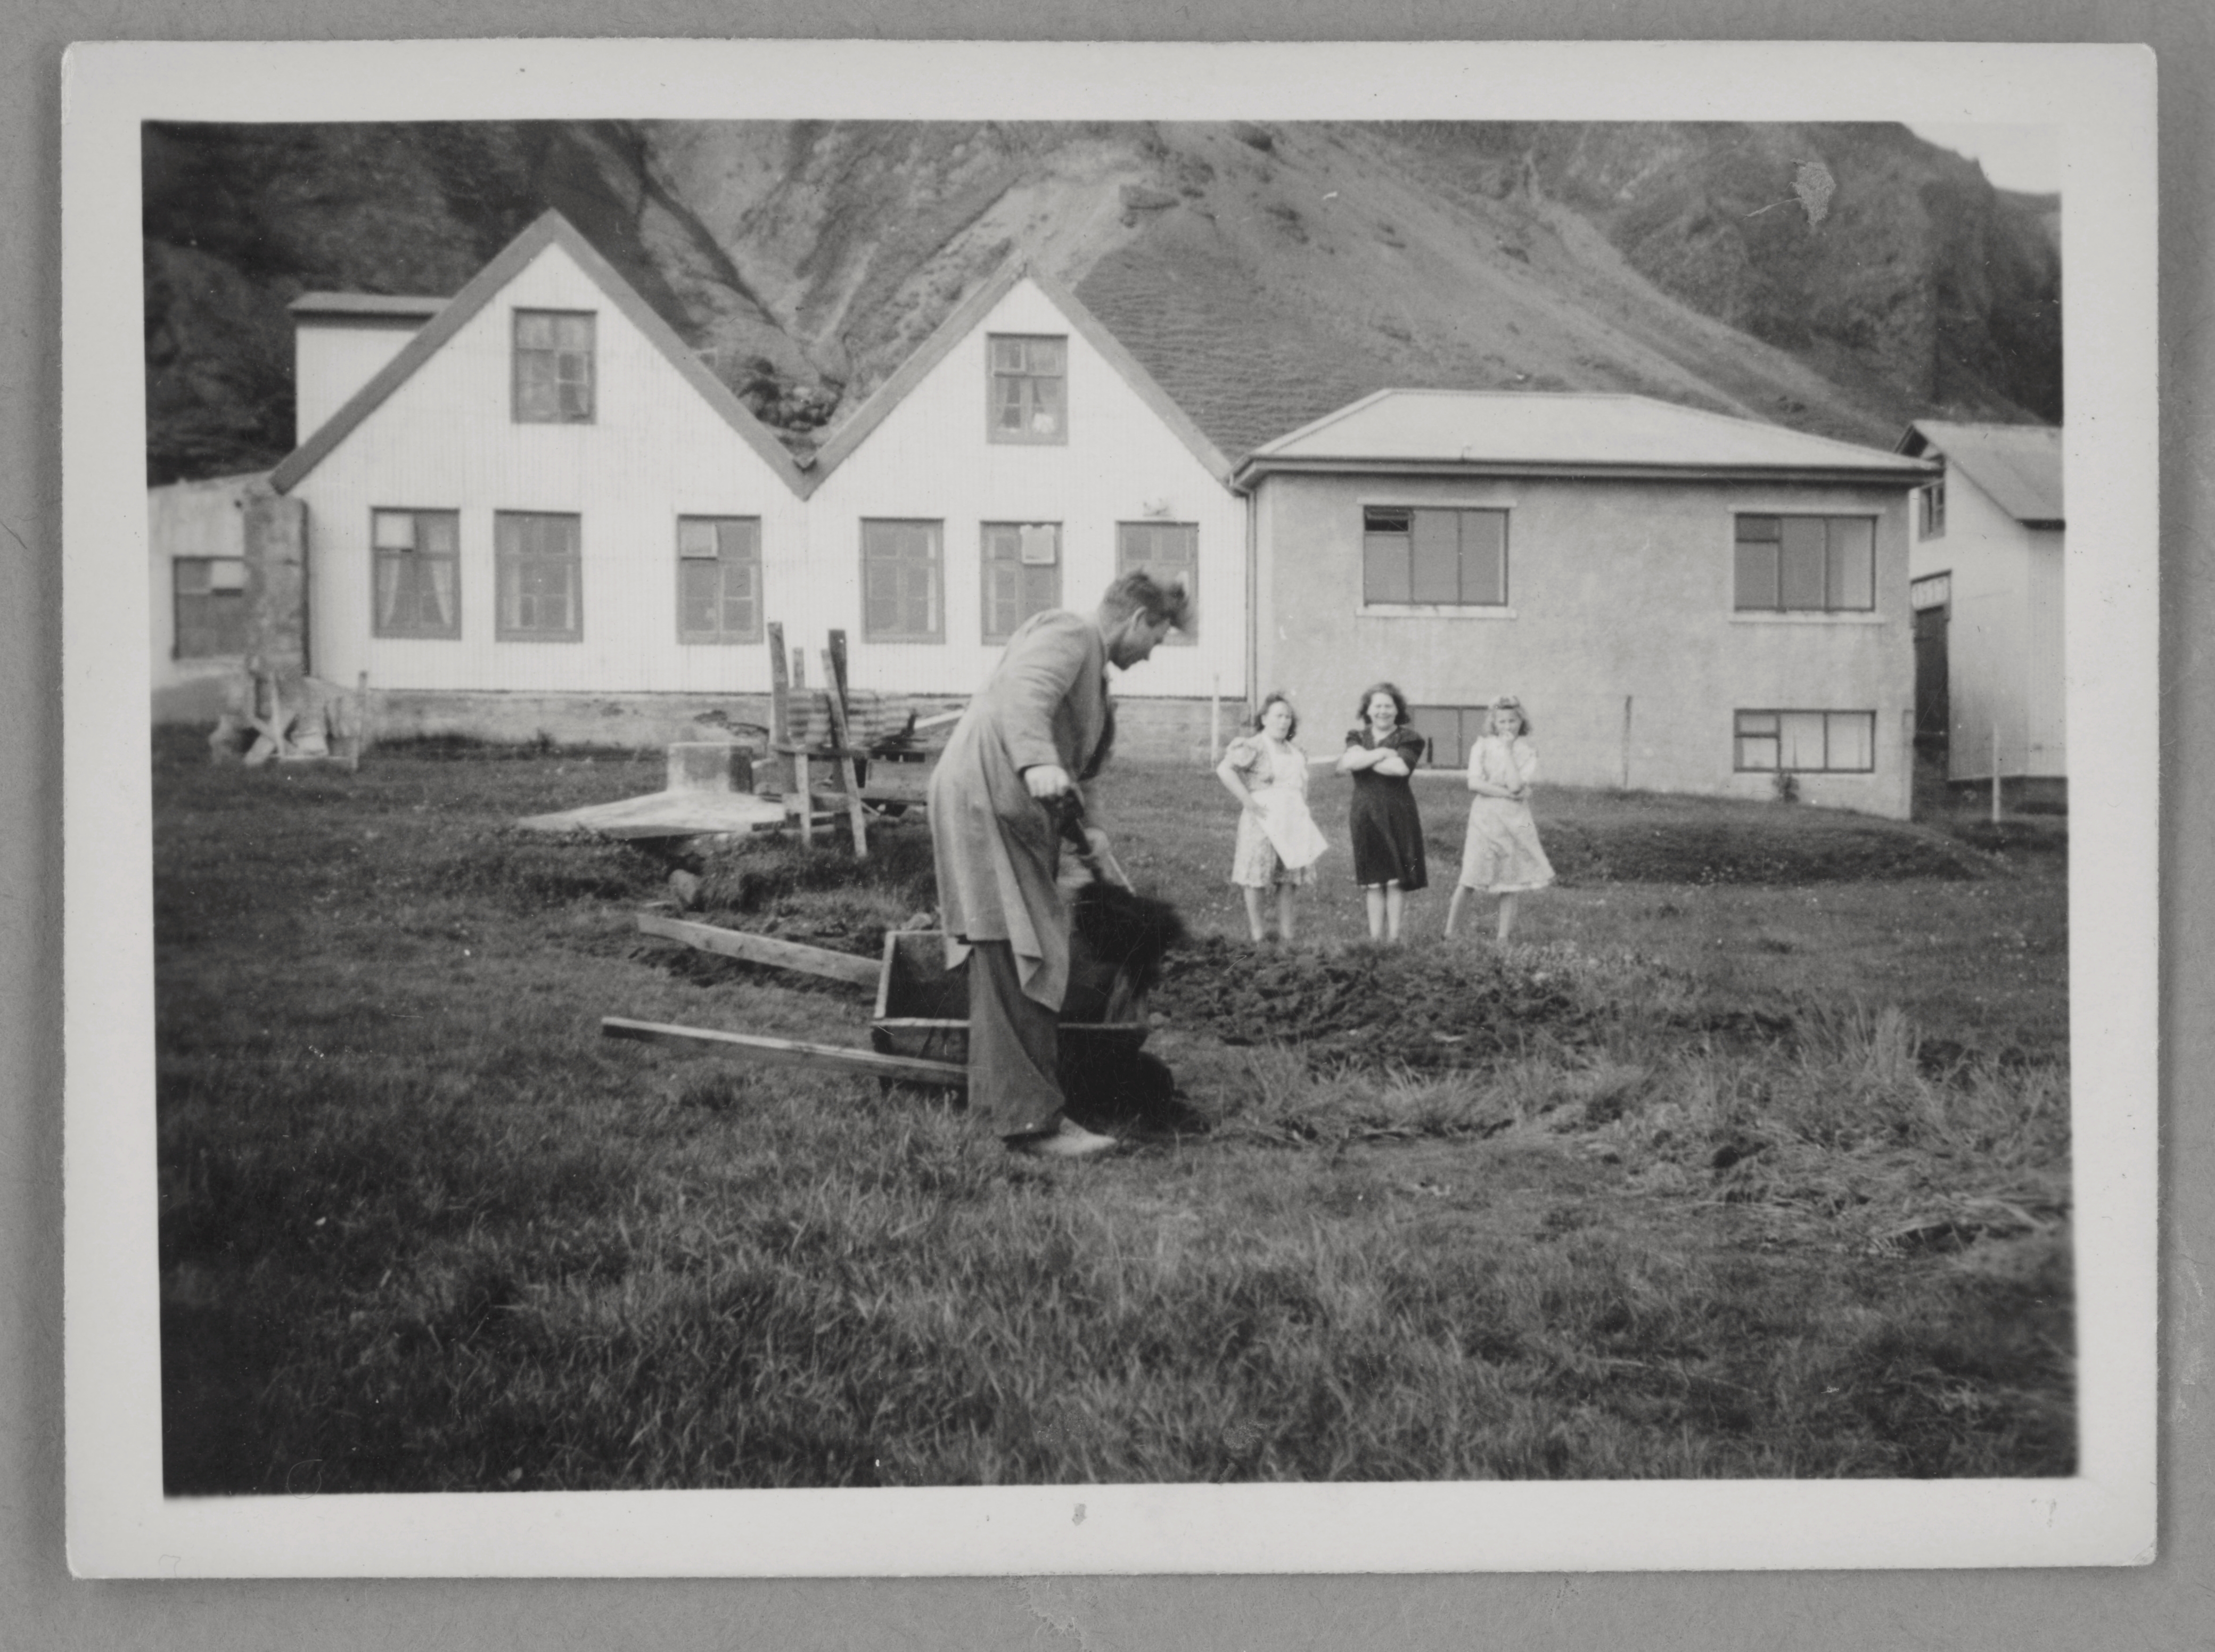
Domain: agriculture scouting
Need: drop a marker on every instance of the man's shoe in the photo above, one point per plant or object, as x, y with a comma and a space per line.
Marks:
1065, 1140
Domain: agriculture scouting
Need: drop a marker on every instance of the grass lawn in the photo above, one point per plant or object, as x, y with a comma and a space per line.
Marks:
1749, 1158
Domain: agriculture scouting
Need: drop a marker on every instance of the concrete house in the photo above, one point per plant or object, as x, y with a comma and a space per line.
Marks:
1990, 684
1685, 601
196, 580
1021, 459
539, 499
532, 507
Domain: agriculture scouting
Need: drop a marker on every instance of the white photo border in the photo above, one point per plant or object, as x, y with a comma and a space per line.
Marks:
120, 1525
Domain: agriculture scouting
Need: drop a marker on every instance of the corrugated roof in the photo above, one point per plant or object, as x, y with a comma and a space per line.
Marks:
383, 305
2018, 465
1568, 433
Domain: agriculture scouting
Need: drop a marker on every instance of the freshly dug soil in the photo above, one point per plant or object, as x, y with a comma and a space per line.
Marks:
1783, 846
1368, 1006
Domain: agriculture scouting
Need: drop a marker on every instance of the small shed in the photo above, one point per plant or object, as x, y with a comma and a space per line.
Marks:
1991, 689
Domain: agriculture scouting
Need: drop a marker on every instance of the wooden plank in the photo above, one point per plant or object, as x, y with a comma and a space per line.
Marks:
763, 949
788, 1052
834, 693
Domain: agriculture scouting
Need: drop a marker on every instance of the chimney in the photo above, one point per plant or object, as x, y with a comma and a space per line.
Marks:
340, 341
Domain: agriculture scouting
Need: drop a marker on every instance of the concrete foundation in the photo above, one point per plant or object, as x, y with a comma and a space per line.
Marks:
1147, 731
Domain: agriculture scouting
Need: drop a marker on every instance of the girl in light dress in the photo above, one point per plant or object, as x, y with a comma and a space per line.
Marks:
1501, 856
1278, 840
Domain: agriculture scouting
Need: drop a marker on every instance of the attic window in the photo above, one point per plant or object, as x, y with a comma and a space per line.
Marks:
1930, 499
1029, 388
553, 367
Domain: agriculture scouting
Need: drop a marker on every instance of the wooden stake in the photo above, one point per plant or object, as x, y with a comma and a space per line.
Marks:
834, 691
1625, 781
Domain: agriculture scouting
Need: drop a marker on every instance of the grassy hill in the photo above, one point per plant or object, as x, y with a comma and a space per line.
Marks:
1266, 274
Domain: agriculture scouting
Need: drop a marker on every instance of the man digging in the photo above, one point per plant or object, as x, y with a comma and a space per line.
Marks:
1041, 724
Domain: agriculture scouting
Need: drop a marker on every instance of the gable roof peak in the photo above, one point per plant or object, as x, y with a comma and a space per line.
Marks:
549, 228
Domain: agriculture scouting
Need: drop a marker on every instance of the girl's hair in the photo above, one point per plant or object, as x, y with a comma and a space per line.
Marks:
1399, 703
1506, 703
1278, 697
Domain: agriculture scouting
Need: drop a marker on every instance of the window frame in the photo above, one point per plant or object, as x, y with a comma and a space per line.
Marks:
1469, 726
935, 596
505, 555
1373, 531
987, 561
378, 555
1178, 637
1780, 570
722, 561
1930, 509
179, 596
1740, 734
517, 351
1027, 376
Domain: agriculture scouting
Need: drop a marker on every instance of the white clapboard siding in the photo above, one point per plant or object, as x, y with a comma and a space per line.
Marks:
930, 459
655, 450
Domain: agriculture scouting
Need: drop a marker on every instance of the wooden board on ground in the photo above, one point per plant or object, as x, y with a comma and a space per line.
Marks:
667, 815
764, 949
790, 1053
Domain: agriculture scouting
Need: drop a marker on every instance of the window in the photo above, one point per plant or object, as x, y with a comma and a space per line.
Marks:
1810, 564
901, 582
541, 575
1167, 550
1930, 499
718, 579
415, 565
1450, 729
1022, 575
1806, 742
1030, 389
553, 367
210, 598
1443, 558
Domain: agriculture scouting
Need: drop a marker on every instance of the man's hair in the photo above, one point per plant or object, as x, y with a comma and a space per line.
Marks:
1140, 593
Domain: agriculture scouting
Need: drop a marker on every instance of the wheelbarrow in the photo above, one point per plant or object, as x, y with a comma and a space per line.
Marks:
919, 1027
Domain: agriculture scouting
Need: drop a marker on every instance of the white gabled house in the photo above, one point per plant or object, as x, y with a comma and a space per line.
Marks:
1021, 459
543, 493
1990, 673
531, 506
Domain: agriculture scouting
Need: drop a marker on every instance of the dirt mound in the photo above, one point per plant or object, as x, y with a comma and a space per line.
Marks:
1370, 1006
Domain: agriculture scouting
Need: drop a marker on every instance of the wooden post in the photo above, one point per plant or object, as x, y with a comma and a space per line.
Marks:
1995, 774
1214, 719
781, 736
1624, 783
360, 720
834, 693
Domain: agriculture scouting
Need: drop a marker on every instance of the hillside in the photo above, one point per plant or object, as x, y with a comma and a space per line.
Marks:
1266, 274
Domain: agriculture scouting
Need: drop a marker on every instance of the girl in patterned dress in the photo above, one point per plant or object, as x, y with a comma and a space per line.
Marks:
1502, 855
1278, 841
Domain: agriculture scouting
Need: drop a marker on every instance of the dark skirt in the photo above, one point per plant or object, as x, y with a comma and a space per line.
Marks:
1387, 832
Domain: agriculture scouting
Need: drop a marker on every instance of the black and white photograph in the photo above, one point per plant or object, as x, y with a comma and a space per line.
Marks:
1254, 829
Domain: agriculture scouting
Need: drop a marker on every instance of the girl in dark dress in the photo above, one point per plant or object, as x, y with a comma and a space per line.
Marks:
1387, 832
